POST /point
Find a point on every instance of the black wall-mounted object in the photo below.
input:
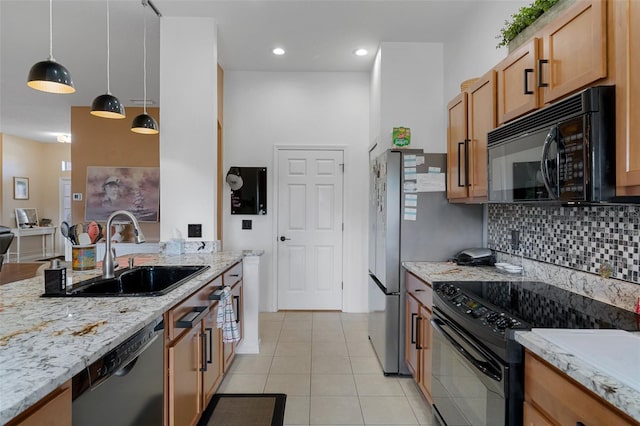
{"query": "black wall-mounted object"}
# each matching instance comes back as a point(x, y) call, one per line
point(248, 190)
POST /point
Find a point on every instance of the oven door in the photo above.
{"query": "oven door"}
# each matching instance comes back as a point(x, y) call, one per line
point(468, 382)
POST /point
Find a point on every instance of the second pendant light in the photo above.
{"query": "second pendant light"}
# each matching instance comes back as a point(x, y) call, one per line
point(107, 105)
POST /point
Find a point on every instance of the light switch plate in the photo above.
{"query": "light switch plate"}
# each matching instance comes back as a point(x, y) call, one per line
point(194, 230)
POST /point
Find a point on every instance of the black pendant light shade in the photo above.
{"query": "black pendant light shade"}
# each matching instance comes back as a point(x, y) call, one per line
point(50, 76)
point(144, 124)
point(107, 106)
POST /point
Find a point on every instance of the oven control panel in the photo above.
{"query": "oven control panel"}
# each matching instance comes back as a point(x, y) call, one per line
point(493, 320)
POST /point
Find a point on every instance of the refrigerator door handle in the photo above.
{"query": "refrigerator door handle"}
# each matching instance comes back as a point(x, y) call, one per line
point(380, 285)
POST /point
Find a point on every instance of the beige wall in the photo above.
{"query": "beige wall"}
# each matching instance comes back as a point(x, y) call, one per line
point(109, 143)
point(41, 163)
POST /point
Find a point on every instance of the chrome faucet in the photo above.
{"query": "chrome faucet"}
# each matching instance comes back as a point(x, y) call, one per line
point(109, 256)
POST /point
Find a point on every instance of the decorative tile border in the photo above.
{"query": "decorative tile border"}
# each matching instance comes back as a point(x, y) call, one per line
point(584, 238)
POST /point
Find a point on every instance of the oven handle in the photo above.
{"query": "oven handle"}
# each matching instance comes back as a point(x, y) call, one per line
point(544, 168)
point(483, 366)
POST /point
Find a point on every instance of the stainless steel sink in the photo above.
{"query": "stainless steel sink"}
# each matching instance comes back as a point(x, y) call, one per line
point(138, 281)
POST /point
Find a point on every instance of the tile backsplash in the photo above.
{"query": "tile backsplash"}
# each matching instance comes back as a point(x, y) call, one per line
point(587, 239)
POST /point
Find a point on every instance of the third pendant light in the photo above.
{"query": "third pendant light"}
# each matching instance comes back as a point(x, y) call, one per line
point(107, 105)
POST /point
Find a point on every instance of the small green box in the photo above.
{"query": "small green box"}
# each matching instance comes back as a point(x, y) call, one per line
point(401, 136)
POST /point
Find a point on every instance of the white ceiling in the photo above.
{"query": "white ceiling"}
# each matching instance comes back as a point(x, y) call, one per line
point(318, 35)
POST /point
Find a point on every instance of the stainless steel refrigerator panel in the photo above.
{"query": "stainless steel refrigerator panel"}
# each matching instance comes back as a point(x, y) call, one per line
point(383, 326)
point(441, 229)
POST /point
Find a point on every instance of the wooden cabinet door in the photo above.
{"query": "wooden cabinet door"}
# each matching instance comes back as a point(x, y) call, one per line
point(481, 119)
point(411, 336)
point(533, 417)
point(52, 410)
point(185, 360)
point(212, 376)
point(425, 351)
point(517, 82)
point(574, 50)
point(457, 146)
point(627, 37)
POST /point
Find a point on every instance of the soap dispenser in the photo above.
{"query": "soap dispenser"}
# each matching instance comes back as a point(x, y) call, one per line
point(55, 278)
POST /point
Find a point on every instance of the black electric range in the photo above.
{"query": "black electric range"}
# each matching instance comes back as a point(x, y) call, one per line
point(474, 324)
point(492, 310)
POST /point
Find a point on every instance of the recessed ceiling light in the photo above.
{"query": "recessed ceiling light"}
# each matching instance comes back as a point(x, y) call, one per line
point(278, 51)
point(360, 52)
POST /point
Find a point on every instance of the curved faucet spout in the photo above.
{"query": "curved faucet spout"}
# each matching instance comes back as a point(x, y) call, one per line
point(108, 262)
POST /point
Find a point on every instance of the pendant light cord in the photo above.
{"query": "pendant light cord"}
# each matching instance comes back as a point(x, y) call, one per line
point(51, 30)
point(108, 53)
point(144, 57)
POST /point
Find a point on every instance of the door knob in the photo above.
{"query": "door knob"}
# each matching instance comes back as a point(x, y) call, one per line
point(283, 238)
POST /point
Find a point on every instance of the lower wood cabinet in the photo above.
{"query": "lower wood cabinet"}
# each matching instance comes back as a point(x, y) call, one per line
point(194, 355)
point(418, 351)
point(552, 398)
point(52, 410)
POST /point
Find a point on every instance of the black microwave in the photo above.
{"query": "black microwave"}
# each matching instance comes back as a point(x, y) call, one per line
point(563, 153)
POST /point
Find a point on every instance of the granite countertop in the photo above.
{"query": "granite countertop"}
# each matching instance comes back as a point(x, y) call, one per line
point(447, 271)
point(607, 386)
point(46, 341)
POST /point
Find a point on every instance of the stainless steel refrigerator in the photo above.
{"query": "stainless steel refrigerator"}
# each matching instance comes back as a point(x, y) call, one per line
point(407, 224)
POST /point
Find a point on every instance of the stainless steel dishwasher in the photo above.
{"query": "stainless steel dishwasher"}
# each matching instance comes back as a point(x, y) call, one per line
point(125, 386)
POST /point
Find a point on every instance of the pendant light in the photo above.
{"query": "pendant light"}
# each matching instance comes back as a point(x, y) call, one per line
point(144, 123)
point(50, 76)
point(107, 105)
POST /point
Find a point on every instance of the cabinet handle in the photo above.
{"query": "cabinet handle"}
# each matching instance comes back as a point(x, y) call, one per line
point(413, 316)
point(210, 331)
point(215, 295)
point(540, 82)
point(203, 338)
point(526, 81)
point(234, 275)
point(459, 183)
point(418, 333)
point(466, 162)
point(418, 289)
point(190, 319)
point(237, 300)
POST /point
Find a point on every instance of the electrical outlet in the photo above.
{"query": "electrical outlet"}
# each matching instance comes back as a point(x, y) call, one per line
point(194, 230)
point(515, 240)
point(246, 223)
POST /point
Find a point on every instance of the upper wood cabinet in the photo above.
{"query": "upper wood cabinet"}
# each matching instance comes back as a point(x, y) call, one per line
point(568, 54)
point(456, 148)
point(517, 88)
point(482, 118)
point(627, 80)
point(574, 50)
point(472, 114)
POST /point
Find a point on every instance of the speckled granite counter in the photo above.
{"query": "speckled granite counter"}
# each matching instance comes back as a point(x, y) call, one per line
point(614, 292)
point(602, 384)
point(46, 341)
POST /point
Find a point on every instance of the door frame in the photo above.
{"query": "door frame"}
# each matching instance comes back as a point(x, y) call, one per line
point(274, 227)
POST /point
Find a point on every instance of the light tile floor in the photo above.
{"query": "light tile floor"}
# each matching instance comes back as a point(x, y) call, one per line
point(325, 364)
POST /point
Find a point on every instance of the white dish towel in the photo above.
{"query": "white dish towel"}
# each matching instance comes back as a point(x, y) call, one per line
point(226, 318)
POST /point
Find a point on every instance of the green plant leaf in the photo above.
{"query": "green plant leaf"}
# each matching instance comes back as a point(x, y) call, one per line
point(522, 19)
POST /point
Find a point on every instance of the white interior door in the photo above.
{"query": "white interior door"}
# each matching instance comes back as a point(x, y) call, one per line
point(310, 229)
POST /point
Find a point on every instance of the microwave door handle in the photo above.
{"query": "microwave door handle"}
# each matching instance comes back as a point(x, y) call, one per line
point(544, 168)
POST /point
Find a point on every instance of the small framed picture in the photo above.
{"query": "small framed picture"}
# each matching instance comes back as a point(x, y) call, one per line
point(20, 188)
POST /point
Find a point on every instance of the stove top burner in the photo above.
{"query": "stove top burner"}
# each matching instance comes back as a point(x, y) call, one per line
point(522, 305)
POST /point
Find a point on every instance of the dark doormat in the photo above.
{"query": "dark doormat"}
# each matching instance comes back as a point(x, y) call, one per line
point(244, 409)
